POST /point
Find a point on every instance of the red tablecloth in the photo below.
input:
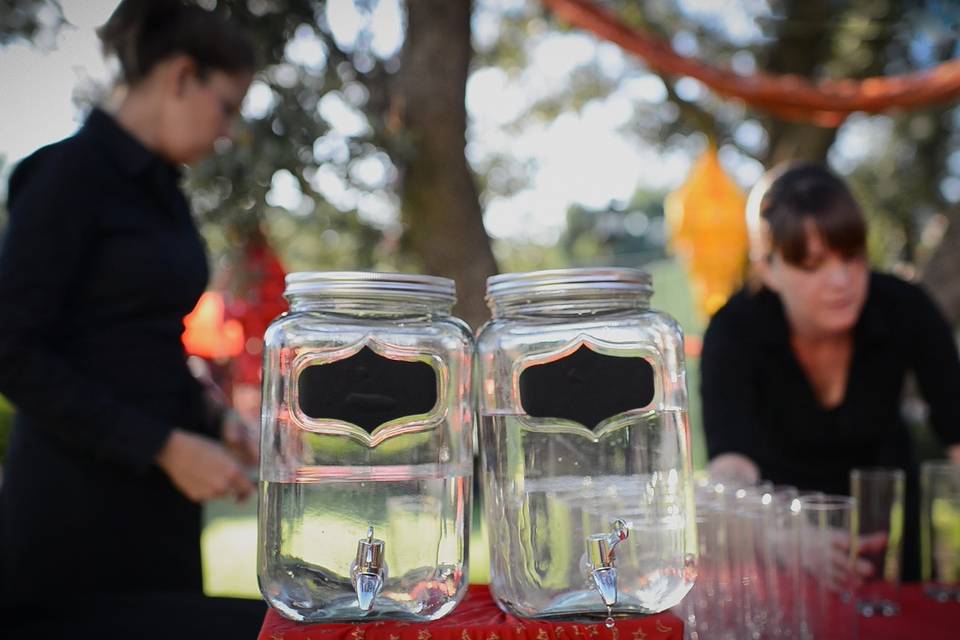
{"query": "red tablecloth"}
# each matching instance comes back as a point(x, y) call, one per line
point(920, 618)
point(476, 618)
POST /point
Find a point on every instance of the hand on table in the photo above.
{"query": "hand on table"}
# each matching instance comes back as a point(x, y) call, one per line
point(201, 468)
point(871, 545)
point(838, 567)
point(734, 467)
point(953, 453)
point(240, 438)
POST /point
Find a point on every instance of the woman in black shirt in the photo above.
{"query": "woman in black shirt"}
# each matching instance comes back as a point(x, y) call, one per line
point(113, 445)
point(803, 373)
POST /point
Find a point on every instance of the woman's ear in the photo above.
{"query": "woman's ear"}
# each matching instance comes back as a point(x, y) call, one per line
point(179, 72)
point(766, 272)
point(762, 256)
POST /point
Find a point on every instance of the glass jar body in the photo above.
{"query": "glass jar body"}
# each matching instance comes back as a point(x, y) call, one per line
point(560, 478)
point(347, 458)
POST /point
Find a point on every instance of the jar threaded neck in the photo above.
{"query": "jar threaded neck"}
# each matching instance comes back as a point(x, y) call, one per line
point(577, 291)
point(369, 292)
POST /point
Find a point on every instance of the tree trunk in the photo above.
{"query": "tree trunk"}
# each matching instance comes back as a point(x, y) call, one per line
point(793, 141)
point(800, 52)
point(941, 275)
point(441, 207)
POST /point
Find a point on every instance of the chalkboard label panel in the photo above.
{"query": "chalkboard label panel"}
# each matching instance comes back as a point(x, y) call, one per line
point(587, 387)
point(367, 389)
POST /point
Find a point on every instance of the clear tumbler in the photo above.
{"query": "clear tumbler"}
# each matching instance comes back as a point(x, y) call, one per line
point(879, 493)
point(940, 529)
point(828, 547)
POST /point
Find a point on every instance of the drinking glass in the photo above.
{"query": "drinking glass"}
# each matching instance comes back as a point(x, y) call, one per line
point(828, 550)
point(786, 544)
point(940, 529)
point(879, 494)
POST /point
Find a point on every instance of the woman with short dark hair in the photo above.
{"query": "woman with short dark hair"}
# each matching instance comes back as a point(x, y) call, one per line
point(803, 371)
point(113, 445)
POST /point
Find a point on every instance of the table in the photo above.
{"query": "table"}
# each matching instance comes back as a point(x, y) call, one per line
point(476, 618)
point(921, 618)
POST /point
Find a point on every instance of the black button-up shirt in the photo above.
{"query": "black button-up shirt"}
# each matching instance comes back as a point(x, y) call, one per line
point(99, 264)
point(758, 401)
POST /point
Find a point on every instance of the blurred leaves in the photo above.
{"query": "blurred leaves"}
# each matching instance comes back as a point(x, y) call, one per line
point(26, 19)
point(905, 182)
point(905, 167)
point(304, 71)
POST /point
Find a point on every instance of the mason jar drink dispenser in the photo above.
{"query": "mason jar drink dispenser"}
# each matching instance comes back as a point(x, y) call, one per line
point(366, 449)
point(585, 446)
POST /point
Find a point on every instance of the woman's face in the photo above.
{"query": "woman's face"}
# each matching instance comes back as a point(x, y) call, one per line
point(204, 112)
point(824, 295)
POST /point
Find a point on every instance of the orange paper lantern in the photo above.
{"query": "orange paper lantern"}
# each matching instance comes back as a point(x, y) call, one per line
point(708, 231)
point(207, 334)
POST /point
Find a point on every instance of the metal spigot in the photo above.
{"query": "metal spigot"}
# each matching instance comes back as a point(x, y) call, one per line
point(368, 570)
point(600, 556)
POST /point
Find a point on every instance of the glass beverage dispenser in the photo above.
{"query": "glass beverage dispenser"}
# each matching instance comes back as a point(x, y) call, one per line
point(366, 449)
point(587, 479)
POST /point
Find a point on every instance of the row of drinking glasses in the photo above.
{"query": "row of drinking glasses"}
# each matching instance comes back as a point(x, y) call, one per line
point(775, 563)
point(772, 564)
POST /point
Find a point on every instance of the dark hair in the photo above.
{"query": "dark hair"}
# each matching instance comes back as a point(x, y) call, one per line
point(811, 192)
point(142, 33)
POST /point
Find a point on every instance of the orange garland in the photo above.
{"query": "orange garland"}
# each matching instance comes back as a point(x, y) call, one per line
point(826, 103)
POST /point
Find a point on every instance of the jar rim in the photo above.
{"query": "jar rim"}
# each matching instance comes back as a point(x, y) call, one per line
point(553, 281)
point(351, 283)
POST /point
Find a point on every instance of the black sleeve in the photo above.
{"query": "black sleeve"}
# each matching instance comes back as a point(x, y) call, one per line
point(213, 401)
point(727, 387)
point(936, 363)
point(46, 239)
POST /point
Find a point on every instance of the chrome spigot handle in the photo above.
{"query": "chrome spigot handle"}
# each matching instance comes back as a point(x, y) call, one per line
point(369, 554)
point(368, 570)
point(600, 556)
point(601, 546)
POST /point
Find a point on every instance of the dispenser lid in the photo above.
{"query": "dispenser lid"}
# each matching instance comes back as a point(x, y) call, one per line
point(554, 282)
point(611, 278)
point(353, 283)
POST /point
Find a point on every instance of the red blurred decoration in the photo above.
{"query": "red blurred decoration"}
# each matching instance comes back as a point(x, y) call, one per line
point(208, 334)
point(826, 103)
point(226, 328)
point(255, 299)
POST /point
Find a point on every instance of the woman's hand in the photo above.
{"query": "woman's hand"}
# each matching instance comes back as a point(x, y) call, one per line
point(828, 555)
point(871, 548)
point(201, 468)
point(953, 452)
point(240, 438)
point(734, 466)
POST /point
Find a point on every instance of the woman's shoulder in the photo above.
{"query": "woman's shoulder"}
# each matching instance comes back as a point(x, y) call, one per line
point(749, 317)
point(745, 308)
point(898, 299)
point(749, 322)
point(52, 168)
point(891, 290)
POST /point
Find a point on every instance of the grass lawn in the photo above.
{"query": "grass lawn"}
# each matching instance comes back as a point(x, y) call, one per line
point(230, 550)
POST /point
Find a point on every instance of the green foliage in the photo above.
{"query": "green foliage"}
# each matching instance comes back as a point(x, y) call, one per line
point(902, 185)
point(290, 137)
point(25, 19)
point(517, 256)
point(901, 163)
point(628, 235)
point(6, 425)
